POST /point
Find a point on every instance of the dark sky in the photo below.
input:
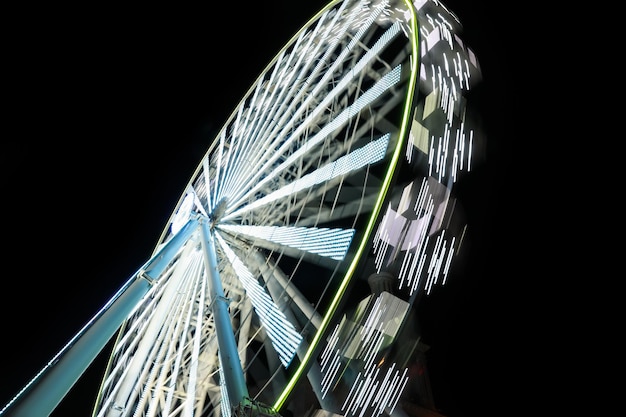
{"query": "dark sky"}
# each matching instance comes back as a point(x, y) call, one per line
point(109, 112)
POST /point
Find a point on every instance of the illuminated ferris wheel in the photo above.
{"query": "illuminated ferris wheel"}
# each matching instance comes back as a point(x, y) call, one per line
point(287, 276)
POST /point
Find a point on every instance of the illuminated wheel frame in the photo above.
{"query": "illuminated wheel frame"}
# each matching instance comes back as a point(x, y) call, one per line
point(337, 166)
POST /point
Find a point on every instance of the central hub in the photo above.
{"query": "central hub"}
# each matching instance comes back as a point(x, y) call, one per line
point(218, 210)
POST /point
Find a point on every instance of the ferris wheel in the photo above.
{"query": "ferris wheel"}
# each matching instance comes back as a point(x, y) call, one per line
point(287, 276)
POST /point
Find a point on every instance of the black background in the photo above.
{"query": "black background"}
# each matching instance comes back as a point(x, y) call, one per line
point(108, 110)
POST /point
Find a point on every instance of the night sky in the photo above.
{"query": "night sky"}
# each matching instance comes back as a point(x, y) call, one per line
point(110, 110)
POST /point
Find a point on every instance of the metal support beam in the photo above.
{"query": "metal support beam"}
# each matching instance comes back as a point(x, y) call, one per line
point(233, 374)
point(44, 392)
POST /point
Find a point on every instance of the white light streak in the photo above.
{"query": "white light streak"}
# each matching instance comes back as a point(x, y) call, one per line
point(331, 243)
point(355, 160)
point(332, 342)
point(282, 333)
point(225, 401)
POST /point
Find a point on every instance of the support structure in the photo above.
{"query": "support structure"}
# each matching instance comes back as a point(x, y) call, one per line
point(44, 393)
point(234, 380)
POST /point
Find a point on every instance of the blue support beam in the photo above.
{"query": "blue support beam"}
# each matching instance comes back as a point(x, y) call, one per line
point(231, 365)
point(44, 392)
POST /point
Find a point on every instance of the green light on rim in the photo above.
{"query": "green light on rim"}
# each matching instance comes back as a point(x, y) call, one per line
point(377, 207)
